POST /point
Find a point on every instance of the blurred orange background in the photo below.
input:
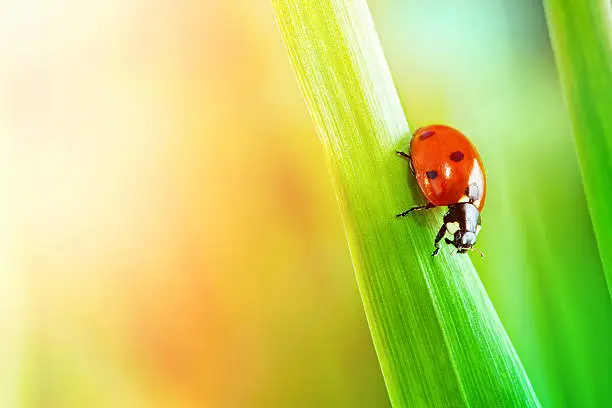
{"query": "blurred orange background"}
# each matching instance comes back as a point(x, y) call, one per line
point(170, 235)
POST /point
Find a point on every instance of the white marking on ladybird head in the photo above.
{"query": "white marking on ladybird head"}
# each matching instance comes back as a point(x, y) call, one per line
point(452, 227)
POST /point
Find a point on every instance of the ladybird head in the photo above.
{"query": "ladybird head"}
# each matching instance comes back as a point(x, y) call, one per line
point(464, 240)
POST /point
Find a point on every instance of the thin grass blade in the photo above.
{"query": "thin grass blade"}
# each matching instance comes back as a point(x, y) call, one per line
point(437, 336)
point(582, 41)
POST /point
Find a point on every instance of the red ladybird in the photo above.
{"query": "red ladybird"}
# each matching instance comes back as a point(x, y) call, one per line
point(450, 173)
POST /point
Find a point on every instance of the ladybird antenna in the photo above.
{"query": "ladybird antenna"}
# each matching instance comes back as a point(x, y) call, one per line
point(482, 255)
point(454, 251)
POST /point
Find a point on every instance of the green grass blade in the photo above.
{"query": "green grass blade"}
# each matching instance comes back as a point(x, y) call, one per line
point(582, 41)
point(437, 336)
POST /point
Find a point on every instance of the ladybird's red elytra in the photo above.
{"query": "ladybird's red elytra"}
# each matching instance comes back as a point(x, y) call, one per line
point(449, 172)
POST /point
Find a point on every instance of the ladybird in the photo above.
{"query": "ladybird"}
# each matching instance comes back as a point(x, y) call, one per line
point(449, 172)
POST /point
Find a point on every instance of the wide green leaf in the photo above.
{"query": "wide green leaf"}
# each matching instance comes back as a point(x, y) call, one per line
point(438, 338)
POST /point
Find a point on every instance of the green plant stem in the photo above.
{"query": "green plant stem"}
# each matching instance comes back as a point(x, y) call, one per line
point(581, 32)
point(437, 336)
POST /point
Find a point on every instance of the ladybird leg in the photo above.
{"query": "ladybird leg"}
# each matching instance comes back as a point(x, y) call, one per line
point(420, 207)
point(439, 237)
point(404, 155)
point(407, 157)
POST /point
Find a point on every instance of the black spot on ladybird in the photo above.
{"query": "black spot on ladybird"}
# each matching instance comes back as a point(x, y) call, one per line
point(432, 174)
point(427, 134)
point(457, 156)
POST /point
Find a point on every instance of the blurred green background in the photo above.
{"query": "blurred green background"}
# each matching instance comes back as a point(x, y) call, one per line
point(170, 233)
